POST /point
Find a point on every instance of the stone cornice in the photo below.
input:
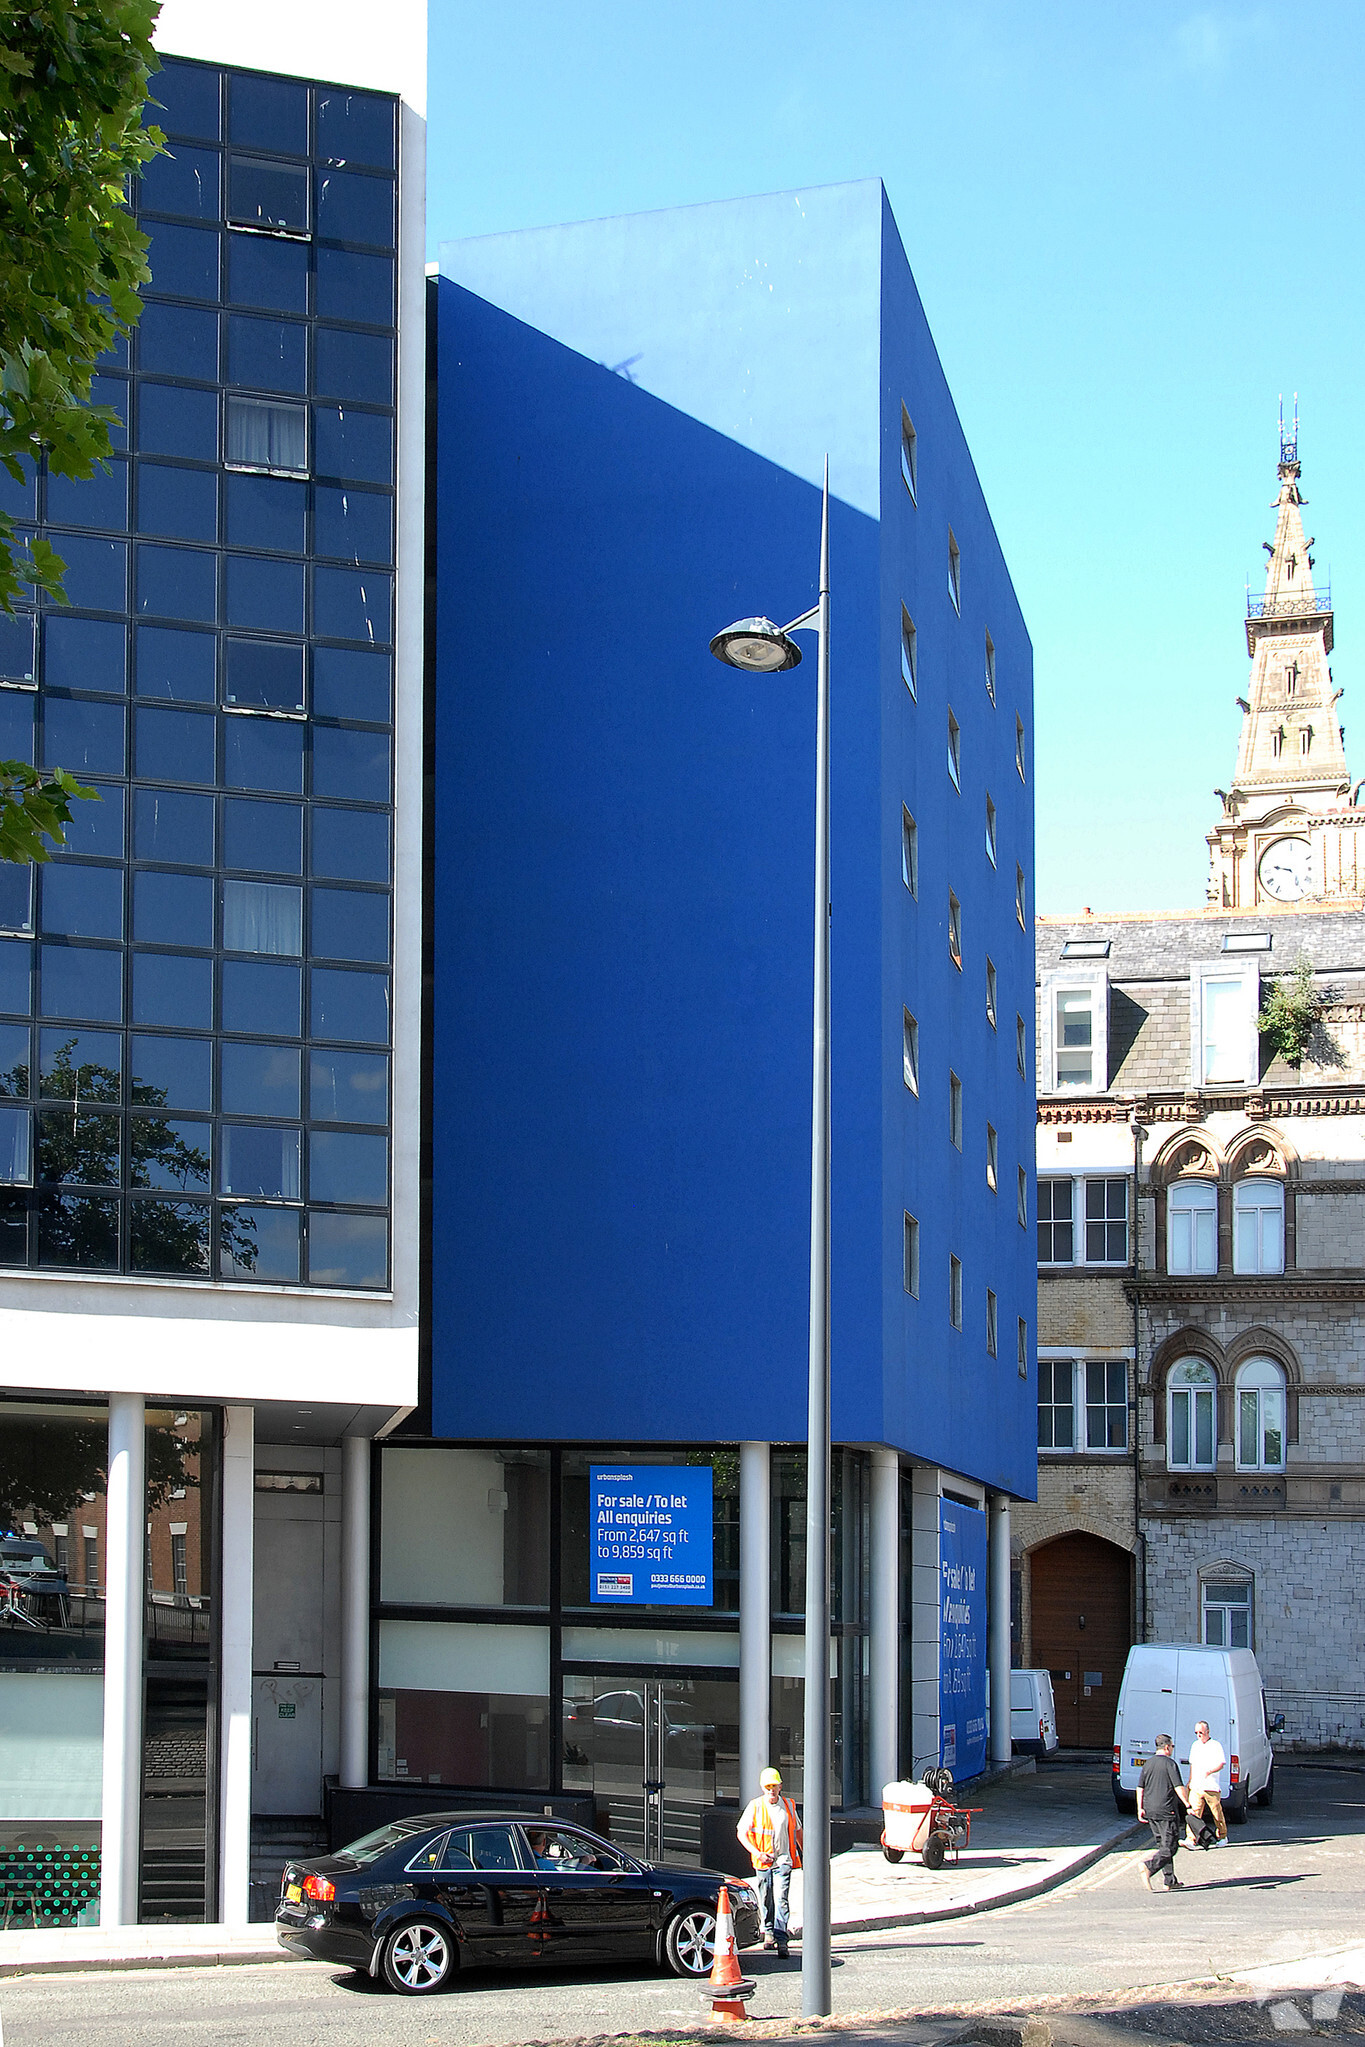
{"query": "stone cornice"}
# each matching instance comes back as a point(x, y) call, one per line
point(1192, 1105)
point(1238, 1288)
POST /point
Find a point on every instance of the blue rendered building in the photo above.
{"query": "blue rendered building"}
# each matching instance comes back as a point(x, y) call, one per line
point(631, 419)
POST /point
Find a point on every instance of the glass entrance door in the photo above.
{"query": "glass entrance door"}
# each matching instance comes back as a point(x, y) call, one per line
point(654, 1753)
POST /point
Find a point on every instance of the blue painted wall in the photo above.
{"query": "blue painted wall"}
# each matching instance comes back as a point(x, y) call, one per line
point(624, 845)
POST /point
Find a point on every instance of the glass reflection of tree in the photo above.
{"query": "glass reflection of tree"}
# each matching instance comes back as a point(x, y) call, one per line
point(47, 1468)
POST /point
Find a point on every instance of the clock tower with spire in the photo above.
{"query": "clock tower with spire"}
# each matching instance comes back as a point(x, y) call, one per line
point(1289, 832)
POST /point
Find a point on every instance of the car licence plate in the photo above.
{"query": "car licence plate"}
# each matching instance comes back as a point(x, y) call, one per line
point(294, 1894)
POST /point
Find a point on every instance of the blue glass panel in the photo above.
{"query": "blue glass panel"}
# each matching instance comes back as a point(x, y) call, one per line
point(351, 287)
point(99, 501)
point(82, 902)
point(181, 180)
point(259, 1161)
point(263, 753)
point(96, 576)
point(349, 926)
point(184, 260)
point(179, 665)
point(354, 525)
point(173, 909)
point(175, 582)
point(174, 1073)
point(352, 764)
point(83, 738)
point(345, 1167)
point(353, 604)
point(78, 982)
point(351, 845)
point(16, 969)
point(348, 1250)
point(267, 837)
point(349, 365)
point(267, 272)
point(261, 997)
point(81, 1150)
point(258, 1243)
point(267, 355)
point(172, 421)
point(16, 896)
point(20, 500)
point(268, 113)
point(184, 100)
point(263, 674)
point(80, 1065)
point(166, 1153)
point(348, 1087)
point(266, 511)
point(175, 746)
point(173, 1237)
point(17, 646)
point(178, 341)
point(349, 683)
point(177, 504)
point(265, 594)
point(13, 1230)
point(85, 653)
point(262, 916)
point(78, 1230)
point(168, 825)
point(267, 195)
point(112, 394)
point(352, 444)
point(96, 827)
point(353, 207)
point(259, 1080)
point(174, 990)
point(354, 127)
point(15, 1061)
point(16, 726)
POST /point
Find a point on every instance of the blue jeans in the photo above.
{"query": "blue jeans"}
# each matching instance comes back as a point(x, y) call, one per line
point(774, 1889)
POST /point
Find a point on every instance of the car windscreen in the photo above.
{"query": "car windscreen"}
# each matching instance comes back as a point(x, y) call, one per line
point(370, 1847)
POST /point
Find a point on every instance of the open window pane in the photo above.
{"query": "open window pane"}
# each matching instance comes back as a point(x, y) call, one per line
point(265, 436)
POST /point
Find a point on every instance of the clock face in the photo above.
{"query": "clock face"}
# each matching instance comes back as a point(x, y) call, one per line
point(1285, 870)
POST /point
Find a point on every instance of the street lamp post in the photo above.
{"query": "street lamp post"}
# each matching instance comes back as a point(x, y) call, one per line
point(757, 644)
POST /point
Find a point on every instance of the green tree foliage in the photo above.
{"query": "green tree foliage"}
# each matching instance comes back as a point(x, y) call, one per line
point(73, 84)
point(1291, 1012)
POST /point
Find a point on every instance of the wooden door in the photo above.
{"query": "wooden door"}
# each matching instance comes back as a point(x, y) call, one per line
point(1082, 1604)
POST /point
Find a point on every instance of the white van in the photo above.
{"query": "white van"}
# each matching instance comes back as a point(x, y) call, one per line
point(1167, 1689)
point(1033, 1713)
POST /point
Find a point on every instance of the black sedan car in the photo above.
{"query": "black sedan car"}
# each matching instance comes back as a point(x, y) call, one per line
point(422, 1898)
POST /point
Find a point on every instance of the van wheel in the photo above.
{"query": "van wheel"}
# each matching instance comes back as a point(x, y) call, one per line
point(1126, 1801)
point(892, 1854)
point(1266, 1794)
point(1236, 1815)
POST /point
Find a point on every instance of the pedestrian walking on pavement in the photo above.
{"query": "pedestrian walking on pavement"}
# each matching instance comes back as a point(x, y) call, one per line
point(771, 1832)
point(1207, 1827)
point(1160, 1800)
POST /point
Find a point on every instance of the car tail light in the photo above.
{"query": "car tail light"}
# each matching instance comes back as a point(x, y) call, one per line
point(1042, 1729)
point(1233, 1771)
point(1116, 1762)
point(319, 1888)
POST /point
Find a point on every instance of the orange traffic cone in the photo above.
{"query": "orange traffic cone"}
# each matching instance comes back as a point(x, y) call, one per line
point(728, 1986)
point(539, 1929)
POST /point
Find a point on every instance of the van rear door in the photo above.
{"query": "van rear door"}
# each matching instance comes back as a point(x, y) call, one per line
point(1205, 1693)
point(1147, 1707)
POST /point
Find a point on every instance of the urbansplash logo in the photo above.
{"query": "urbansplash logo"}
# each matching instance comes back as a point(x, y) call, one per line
point(615, 1584)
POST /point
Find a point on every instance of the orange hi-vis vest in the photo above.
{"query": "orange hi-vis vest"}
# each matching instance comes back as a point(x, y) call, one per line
point(757, 1833)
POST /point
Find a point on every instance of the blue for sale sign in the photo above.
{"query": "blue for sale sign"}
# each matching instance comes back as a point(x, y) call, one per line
point(651, 1534)
point(962, 1638)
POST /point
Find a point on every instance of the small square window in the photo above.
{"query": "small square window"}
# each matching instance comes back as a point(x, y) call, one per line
point(1106, 1222)
point(910, 1270)
point(1056, 1228)
point(992, 1324)
point(1019, 746)
point(1023, 1348)
point(1021, 1205)
point(954, 571)
point(954, 929)
point(1020, 1047)
point(955, 1110)
point(991, 830)
point(1020, 898)
point(909, 852)
point(269, 196)
point(1056, 1403)
point(1106, 1405)
point(955, 1290)
point(909, 457)
point(990, 993)
point(992, 1158)
point(268, 437)
point(954, 751)
point(990, 668)
point(911, 1053)
point(909, 654)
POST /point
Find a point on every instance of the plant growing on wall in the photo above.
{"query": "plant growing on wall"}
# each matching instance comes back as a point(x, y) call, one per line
point(1291, 1012)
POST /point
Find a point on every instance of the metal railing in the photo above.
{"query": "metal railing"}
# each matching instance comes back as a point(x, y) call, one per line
point(1307, 605)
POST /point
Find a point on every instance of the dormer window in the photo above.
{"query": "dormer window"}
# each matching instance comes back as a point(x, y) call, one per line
point(1076, 1017)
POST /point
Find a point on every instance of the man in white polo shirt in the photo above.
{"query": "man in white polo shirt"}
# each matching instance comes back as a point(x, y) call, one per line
point(1207, 1762)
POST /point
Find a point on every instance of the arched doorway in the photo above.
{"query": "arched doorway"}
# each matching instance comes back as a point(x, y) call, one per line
point(1081, 1606)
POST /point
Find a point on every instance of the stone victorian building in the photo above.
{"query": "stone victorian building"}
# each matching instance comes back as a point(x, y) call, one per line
point(1201, 1378)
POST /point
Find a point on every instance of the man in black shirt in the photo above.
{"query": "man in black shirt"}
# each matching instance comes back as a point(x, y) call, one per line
point(1160, 1801)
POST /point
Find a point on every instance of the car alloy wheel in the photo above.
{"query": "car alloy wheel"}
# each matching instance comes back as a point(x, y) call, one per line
point(418, 1958)
point(691, 1942)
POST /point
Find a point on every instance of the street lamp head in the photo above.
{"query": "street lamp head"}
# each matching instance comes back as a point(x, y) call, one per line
point(756, 644)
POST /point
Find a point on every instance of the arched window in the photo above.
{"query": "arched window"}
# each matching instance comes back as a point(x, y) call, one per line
point(1191, 1403)
point(1192, 1227)
point(1258, 1226)
point(1260, 1416)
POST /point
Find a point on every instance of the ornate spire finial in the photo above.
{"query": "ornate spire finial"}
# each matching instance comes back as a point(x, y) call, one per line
point(1289, 443)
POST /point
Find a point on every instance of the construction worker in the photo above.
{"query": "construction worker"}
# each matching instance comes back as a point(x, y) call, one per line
point(771, 1832)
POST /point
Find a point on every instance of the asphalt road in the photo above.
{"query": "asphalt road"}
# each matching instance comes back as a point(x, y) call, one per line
point(1291, 1883)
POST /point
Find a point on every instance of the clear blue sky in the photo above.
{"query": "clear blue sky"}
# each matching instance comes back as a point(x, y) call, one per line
point(1132, 226)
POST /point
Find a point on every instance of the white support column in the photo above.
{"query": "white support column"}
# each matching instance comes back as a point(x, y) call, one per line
point(998, 1623)
point(234, 1655)
point(926, 1609)
point(755, 1614)
point(125, 1535)
point(355, 1612)
point(885, 1716)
